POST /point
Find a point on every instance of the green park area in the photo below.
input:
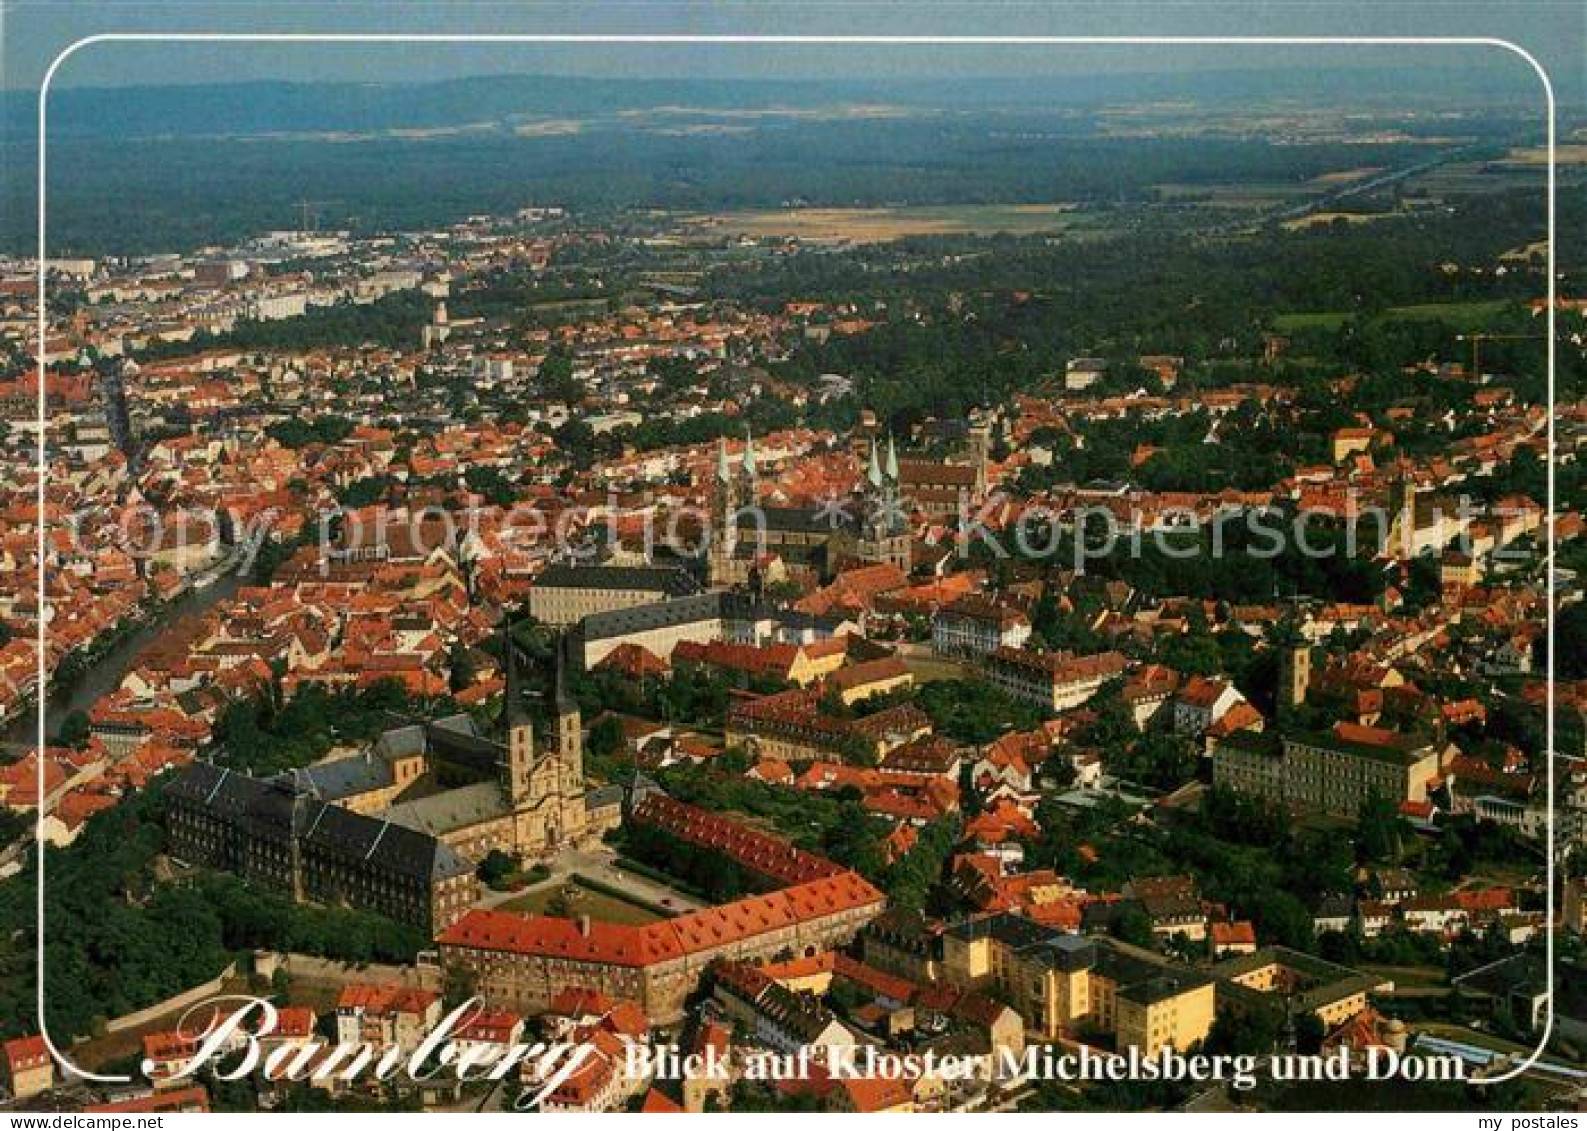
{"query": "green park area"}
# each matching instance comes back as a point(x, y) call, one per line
point(581, 896)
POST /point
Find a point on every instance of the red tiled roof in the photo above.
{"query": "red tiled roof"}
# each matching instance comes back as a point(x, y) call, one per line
point(772, 660)
point(613, 944)
point(633, 660)
point(575, 1001)
point(773, 770)
point(1372, 736)
point(168, 1046)
point(869, 671)
point(658, 1103)
point(292, 1022)
point(1200, 691)
point(495, 1027)
point(26, 1053)
point(627, 1019)
point(195, 1098)
point(1493, 899)
point(386, 999)
point(770, 856)
point(876, 1093)
point(619, 944)
point(1233, 934)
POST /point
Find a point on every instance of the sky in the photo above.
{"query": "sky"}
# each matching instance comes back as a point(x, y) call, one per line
point(35, 30)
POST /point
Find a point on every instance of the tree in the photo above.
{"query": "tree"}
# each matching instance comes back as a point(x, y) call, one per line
point(75, 730)
point(761, 1096)
point(496, 867)
point(910, 879)
point(1134, 926)
point(853, 841)
point(973, 711)
point(458, 984)
point(1309, 1033)
point(556, 377)
point(1047, 619)
point(1281, 917)
point(298, 433)
point(1252, 1032)
point(1570, 634)
point(1380, 831)
point(460, 668)
point(606, 737)
point(561, 903)
point(497, 489)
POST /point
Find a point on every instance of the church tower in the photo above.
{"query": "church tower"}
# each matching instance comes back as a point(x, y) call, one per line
point(884, 532)
point(981, 453)
point(731, 492)
point(569, 726)
point(748, 488)
point(1294, 666)
point(1401, 541)
point(724, 506)
point(439, 329)
point(518, 772)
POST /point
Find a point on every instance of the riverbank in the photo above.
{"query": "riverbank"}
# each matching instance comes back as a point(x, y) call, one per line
point(105, 672)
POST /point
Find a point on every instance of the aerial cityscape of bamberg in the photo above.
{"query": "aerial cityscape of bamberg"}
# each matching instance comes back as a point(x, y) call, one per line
point(832, 573)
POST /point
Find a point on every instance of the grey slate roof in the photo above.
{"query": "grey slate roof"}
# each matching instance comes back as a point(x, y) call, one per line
point(1140, 975)
point(456, 739)
point(401, 742)
point(441, 813)
point(799, 520)
point(1161, 987)
point(667, 581)
point(275, 808)
point(1064, 952)
point(645, 618)
point(460, 723)
point(346, 777)
point(1007, 928)
point(742, 608)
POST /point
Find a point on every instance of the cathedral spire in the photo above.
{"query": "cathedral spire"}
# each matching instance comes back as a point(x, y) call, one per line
point(513, 713)
point(892, 459)
point(873, 473)
point(562, 659)
point(722, 473)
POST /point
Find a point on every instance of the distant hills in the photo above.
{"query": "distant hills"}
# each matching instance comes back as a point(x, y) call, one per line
point(273, 108)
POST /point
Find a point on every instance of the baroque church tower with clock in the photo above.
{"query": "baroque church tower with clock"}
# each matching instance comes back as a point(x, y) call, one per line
point(544, 786)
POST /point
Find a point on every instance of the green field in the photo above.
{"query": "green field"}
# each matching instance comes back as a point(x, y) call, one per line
point(582, 899)
point(1462, 315)
point(880, 225)
point(1249, 195)
point(1315, 320)
point(927, 669)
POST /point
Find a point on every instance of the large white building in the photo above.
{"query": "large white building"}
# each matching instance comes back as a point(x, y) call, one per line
point(1056, 681)
point(974, 625)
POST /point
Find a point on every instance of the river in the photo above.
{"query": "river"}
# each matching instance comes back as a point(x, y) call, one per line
point(106, 675)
